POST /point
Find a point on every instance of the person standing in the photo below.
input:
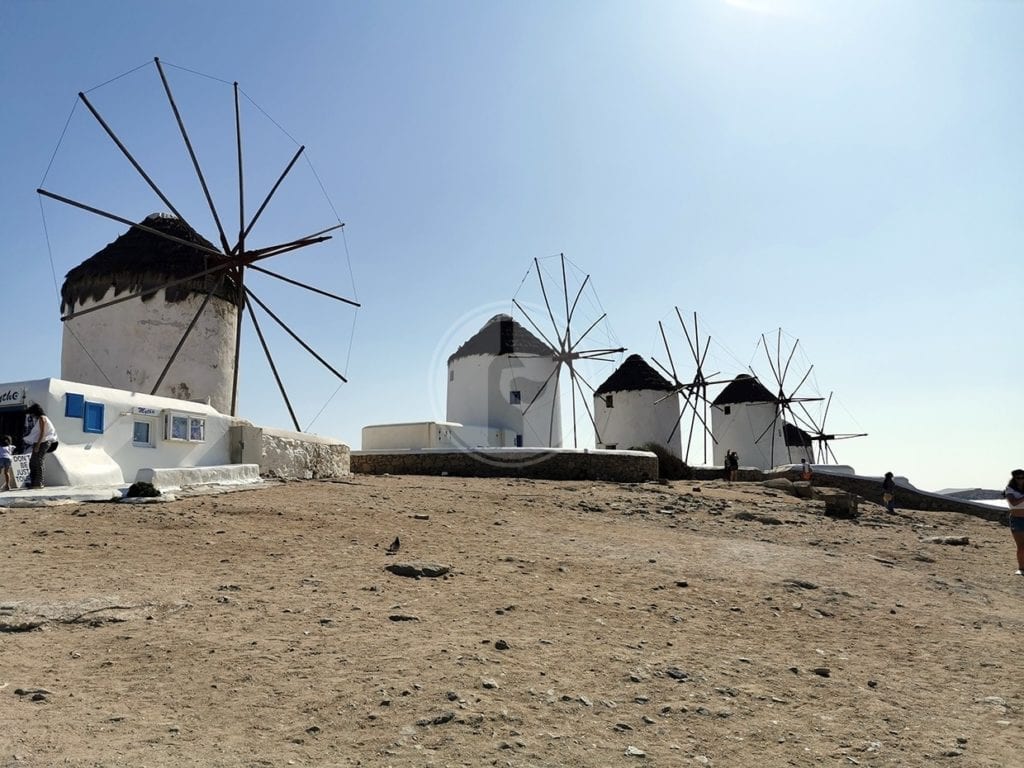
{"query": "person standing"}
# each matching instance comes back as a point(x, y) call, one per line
point(732, 465)
point(1014, 495)
point(38, 440)
point(889, 492)
point(6, 462)
point(805, 470)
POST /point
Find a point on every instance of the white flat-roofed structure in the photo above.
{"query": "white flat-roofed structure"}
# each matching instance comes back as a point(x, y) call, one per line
point(111, 437)
point(423, 435)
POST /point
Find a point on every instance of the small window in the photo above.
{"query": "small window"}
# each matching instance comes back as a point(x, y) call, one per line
point(515, 397)
point(142, 434)
point(727, 410)
point(519, 441)
point(451, 374)
point(92, 418)
point(608, 401)
point(74, 405)
point(180, 426)
point(611, 446)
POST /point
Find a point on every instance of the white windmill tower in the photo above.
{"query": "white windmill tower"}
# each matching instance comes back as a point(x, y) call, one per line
point(161, 309)
point(636, 405)
point(762, 427)
point(148, 331)
point(497, 379)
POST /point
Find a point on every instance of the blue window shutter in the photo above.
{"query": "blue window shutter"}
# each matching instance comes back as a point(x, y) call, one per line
point(74, 405)
point(93, 418)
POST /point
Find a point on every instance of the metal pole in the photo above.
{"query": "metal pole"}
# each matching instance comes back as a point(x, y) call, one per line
point(273, 368)
point(127, 154)
point(192, 154)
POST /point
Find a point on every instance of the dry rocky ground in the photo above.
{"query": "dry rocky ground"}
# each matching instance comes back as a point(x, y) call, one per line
point(580, 624)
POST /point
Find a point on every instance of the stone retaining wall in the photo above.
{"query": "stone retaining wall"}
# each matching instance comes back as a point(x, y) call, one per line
point(869, 489)
point(617, 466)
point(907, 497)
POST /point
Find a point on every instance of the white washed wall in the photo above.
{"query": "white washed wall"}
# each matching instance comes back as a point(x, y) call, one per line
point(479, 388)
point(636, 417)
point(120, 412)
point(132, 341)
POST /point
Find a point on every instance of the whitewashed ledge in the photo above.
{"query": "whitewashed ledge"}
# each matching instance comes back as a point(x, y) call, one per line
point(176, 478)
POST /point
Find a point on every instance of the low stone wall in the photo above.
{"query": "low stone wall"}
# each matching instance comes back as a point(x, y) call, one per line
point(173, 478)
point(296, 455)
point(868, 488)
point(907, 496)
point(617, 466)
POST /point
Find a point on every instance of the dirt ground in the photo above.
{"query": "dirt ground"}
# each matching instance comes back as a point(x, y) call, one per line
point(581, 624)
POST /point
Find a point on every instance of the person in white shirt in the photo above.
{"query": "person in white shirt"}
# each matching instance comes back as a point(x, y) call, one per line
point(38, 440)
point(1014, 495)
point(6, 461)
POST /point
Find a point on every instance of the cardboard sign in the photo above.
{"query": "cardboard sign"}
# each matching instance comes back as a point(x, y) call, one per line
point(19, 463)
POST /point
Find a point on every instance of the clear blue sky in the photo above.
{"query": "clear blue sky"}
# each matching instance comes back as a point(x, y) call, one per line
point(852, 172)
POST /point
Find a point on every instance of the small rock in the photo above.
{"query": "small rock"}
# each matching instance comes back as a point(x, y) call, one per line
point(501, 645)
point(420, 517)
point(954, 541)
point(403, 617)
point(416, 570)
point(452, 696)
point(677, 674)
point(489, 683)
point(632, 751)
point(800, 583)
point(822, 671)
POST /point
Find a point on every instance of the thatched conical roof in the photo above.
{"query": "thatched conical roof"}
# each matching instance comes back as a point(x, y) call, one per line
point(501, 335)
point(137, 260)
point(634, 375)
point(744, 389)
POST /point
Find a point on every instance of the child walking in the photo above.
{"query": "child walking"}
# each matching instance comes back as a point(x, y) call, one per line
point(6, 461)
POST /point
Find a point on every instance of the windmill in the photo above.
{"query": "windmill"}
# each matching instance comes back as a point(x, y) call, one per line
point(823, 438)
point(570, 349)
point(223, 270)
point(784, 400)
point(696, 390)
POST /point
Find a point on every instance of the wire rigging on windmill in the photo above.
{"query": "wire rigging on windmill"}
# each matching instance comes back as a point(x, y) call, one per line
point(206, 288)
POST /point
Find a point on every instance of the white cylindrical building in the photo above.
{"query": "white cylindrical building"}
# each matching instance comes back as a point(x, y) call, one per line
point(127, 345)
point(503, 378)
point(741, 421)
point(628, 412)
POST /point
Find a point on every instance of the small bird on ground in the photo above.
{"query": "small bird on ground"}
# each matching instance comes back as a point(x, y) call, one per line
point(393, 547)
